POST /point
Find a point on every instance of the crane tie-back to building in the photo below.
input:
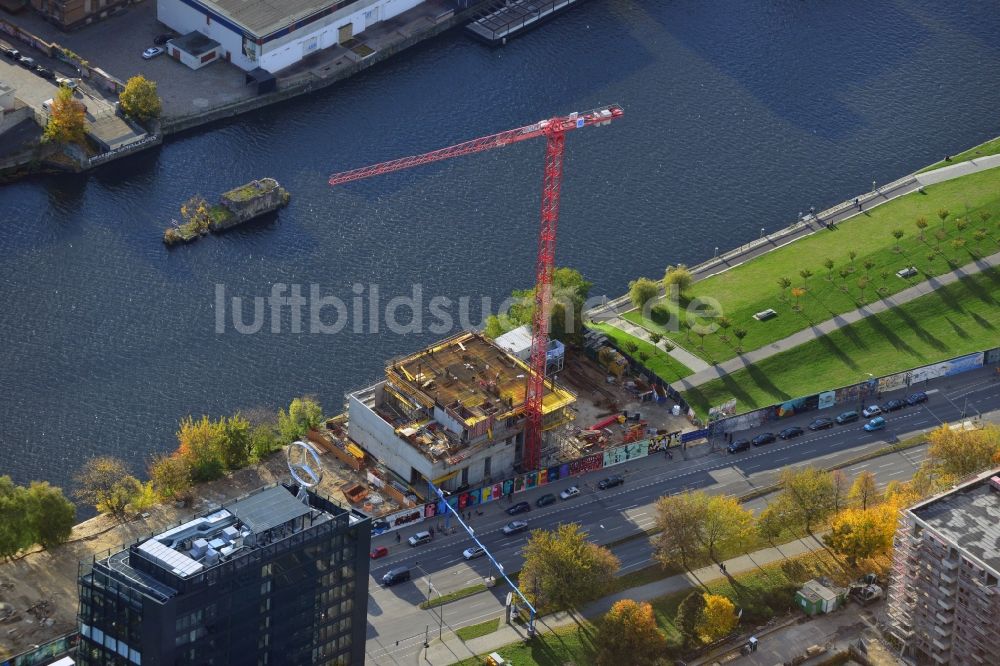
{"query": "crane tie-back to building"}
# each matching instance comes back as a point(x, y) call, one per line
point(554, 130)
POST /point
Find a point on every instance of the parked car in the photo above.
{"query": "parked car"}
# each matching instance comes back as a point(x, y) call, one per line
point(545, 500)
point(847, 417)
point(515, 526)
point(45, 73)
point(69, 83)
point(893, 405)
point(877, 423)
point(25, 61)
point(160, 40)
point(870, 411)
point(610, 482)
point(473, 552)
point(789, 433)
point(10, 52)
point(378, 551)
point(520, 507)
point(419, 538)
point(738, 445)
point(572, 491)
point(763, 438)
point(916, 398)
point(396, 575)
point(152, 52)
point(821, 423)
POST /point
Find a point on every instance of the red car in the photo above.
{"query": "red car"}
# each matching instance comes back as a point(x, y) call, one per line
point(376, 553)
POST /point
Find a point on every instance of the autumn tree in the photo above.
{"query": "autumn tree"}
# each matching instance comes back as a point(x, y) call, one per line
point(718, 618)
point(105, 483)
point(726, 526)
point(961, 452)
point(196, 213)
point(642, 292)
point(66, 119)
point(200, 444)
point(171, 477)
point(50, 515)
point(864, 491)
point(695, 526)
point(858, 534)
point(811, 493)
point(627, 634)
point(303, 415)
point(563, 570)
point(689, 615)
point(677, 277)
point(15, 531)
point(139, 98)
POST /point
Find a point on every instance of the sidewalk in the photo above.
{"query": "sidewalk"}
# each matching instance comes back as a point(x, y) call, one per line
point(453, 649)
point(830, 325)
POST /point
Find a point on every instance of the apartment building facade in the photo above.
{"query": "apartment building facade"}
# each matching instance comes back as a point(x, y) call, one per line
point(943, 601)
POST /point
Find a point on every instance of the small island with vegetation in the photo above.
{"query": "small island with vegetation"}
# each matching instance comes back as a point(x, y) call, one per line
point(236, 206)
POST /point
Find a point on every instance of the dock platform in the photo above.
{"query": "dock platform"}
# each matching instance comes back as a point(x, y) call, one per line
point(513, 17)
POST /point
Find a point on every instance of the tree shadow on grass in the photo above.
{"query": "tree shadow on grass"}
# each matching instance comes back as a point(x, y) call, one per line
point(978, 290)
point(761, 379)
point(834, 350)
point(892, 338)
point(958, 330)
point(983, 322)
point(919, 330)
point(849, 332)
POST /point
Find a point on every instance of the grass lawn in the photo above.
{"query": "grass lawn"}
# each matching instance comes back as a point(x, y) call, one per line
point(477, 630)
point(991, 147)
point(960, 318)
point(665, 366)
point(752, 287)
point(568, 645)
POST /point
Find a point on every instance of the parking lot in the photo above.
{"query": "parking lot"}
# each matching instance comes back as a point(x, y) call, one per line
point(115, 45)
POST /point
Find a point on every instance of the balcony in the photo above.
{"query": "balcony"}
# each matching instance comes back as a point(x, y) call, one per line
point(943, 618)
point(946, 604)
point(947, 578)
point(943, 646)
point(946, 591)
point(944, 631)
point(940, 658)
point(950, 564)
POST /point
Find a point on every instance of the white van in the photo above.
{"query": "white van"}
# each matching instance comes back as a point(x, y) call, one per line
point(47, 105)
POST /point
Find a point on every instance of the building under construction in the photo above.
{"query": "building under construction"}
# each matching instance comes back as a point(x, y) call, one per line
point(452, 413)
point(943, 598)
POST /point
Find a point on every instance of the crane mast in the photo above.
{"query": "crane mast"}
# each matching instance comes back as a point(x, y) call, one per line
point(554, 130)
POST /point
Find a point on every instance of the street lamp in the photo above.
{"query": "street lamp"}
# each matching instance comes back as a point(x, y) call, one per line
point(431, 588)
point(761, 233)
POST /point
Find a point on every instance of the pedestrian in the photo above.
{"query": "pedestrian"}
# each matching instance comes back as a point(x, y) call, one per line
point(398, 538)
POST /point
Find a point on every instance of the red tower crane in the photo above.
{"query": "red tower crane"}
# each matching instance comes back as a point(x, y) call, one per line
point(554, 130)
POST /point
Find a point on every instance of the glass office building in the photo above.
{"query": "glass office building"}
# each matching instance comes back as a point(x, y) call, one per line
point(277, 577)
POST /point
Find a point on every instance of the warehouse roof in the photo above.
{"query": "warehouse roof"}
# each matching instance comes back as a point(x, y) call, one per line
point(262, 17)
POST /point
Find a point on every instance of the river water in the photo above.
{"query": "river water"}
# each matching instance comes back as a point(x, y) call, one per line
point(738, 116)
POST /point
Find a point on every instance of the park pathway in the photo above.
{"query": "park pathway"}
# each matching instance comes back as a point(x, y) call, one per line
point(610, 312)
point(830, 325)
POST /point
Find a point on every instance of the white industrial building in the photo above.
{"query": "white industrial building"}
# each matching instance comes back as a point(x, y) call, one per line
point(273, 35)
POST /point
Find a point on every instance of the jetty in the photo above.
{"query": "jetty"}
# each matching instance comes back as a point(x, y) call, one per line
point(238, 205)
point(512, 17)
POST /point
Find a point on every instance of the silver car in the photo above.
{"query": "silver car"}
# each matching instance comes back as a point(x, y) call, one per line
point(515, 526)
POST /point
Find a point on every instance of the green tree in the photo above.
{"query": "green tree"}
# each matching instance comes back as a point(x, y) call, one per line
point(852, 255)
point(726, 527)
point(961, 224)
point(642, 292)
point(679, 519)
point(201, 445)
point(863, 283)
point(805, 274)
point(627, 634)
point(771, 523)
point(677, 277)
point(237, 445)
point(897, 234)
point(171, 478)
point(50, 514)
point(724, 323)
point(66, 123)
point(140, 99)
point(655, 338)
point(784, 283)
point(718, 618)
point(739, 334)
point(569, 288)
point(303, 415)
point(631, 347)
point(143, 498)
point(105, 484)
point(263, 441)
point(689, 615)
point(922, 226)
point(16, 533)
point(864, 491)
point(563, 570)
point(869, 265)
point(943, 214)
point(828, 264)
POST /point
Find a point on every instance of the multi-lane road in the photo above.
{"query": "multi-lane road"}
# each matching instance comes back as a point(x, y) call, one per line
point(397, 625)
